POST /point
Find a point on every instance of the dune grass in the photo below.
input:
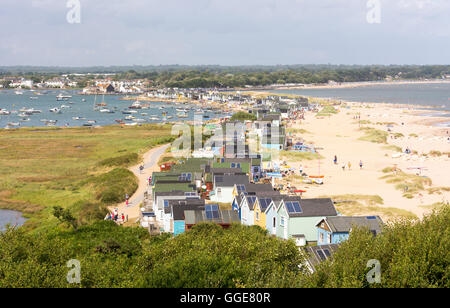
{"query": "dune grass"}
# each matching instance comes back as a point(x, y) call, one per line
point(361, 205)
point(437, 190)
point(327, 111)
point(374, 135)
point(393, 148)
point(292, 156)
point(82, 169)
point(297, 131)
point(410, 184)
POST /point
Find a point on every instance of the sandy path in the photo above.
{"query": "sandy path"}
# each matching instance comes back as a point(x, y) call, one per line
point(150, 160)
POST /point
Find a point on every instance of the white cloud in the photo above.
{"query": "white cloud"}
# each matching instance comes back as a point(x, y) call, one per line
point(224, 32)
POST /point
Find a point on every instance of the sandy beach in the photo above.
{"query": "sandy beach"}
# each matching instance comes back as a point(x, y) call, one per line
point(361, 84)
point(339, 134)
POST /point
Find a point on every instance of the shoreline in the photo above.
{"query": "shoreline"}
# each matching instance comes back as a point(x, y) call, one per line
point(357, 84)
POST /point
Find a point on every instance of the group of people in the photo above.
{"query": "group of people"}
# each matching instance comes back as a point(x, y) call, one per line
point(114, 216)
point(347, 165)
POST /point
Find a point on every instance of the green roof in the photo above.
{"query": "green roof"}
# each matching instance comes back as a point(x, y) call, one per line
point(191, 165)
point(245, 167)
point(186, 187)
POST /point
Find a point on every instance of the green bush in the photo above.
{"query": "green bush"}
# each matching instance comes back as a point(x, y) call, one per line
point(119, 161)
point(243, 116)
point(412, 255)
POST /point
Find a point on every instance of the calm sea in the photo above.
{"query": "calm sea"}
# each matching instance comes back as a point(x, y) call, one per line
point(436, 95)
point(85, 110)
point(10, 217)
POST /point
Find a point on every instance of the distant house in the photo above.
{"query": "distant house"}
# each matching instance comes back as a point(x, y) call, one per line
point(298, 218)
point(161, 199)
point(106, 88)
point(262, 204)
point(241, 190)
point(212, 213)
point(223, 187)
point(334, 230)
point(175, 221)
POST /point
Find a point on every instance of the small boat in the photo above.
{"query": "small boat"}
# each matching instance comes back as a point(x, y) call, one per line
point(50, 121)
point(118, 121)
point(4, 112)
point(126, 112)
point(33, 97)
point(83, 100)
point(25, 119)
point(87, 124)
point(65, 107)
point(56, 110)
point(78, 118)
point(135, 105)
point(101, 104)
point(30, 111)
point(91, 122)
point(61, 97)
point(13, 124)
point(18, 92)
point(104, 110)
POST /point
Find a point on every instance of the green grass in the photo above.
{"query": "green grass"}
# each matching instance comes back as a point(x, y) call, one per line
point(414, 135)
point(75, 168)
point(393, 148)
point(292, 156)
point(374, 135)
point(410, 184)
point(327, 111)
point(438, 190)
point(294, 131)
point(358, 205)
point(435, 153)
point(398, 135)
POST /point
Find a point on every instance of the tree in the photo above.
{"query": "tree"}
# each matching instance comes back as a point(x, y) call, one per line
point(64, 215)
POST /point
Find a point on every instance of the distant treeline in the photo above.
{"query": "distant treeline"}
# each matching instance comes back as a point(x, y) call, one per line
point(239, 76)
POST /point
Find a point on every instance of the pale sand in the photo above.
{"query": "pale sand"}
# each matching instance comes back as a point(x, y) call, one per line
point(362, 84)
point(338, 135)
point(150, 161)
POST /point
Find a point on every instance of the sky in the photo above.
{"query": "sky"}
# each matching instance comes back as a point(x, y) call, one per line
point(224, 32)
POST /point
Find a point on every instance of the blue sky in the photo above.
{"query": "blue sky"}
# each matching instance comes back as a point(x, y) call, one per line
point(226, 32)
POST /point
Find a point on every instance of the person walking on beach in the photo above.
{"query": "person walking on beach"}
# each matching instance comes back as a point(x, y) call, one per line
point(360, 164)
point(349, 166)
point(126, 202)
point(343, 167)
point(335, 159)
